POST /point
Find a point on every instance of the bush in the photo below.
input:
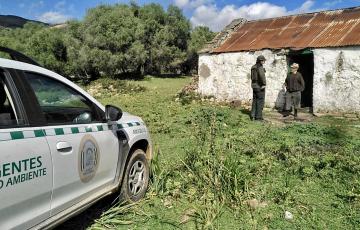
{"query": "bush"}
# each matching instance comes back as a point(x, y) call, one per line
point(107, 87)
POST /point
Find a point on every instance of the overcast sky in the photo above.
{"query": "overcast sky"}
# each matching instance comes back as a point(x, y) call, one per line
point(213, 13)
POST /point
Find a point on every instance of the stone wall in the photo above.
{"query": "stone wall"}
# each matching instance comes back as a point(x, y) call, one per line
point(226, 76)
point(337, 80)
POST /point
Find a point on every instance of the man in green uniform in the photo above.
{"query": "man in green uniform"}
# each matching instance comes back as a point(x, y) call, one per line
point(258, 84)
point(294, 84)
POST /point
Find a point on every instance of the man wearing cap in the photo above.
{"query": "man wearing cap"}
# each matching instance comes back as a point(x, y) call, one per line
point(258, 84)
point(294, 84)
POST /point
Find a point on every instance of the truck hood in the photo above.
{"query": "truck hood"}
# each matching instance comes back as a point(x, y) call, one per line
point(127, 117)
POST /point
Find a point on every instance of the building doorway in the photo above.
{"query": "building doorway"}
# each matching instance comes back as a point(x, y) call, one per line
point(305, 59)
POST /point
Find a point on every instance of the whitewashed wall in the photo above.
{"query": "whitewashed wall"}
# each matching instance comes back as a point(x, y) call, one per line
point(336, 77)
point(337, 80)
point(227, 76)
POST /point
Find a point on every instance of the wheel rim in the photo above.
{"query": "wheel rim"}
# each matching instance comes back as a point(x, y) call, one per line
point(136, 180)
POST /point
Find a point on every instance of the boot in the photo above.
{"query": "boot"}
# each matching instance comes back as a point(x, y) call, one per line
point(286, 113)
point(295, 113)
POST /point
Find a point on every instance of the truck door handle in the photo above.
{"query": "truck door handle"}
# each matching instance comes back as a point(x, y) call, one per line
point(63, 147)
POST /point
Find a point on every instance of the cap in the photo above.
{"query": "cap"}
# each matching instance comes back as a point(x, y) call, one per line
point(261, 58)
point(294, 66)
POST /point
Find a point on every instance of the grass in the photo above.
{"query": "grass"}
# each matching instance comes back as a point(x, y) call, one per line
point(214, 169)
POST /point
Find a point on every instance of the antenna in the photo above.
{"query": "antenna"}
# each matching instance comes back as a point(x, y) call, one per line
point(17, 56)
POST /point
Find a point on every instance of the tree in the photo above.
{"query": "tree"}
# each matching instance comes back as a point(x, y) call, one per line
point(199, 37)
point(48, 48)
point(165, 40)
point(43, 44)
point(112, 41)
point(153, 18)
point(106, 41)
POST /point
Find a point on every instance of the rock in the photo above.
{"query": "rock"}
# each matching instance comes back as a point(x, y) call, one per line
point(167, 202)
point(263, 204)
point(254, 204)
point(288, 215)
point(187, 215)
point(350, 115)
point(236, 103)
point(191, 87)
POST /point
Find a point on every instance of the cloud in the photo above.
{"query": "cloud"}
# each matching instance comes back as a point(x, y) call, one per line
point(332, 3)
point(35, 7)
point(181, 3)
point(53, 17)
point(60, 5)
point(217, 18)
point(60, 13)
point(305, 7)
point(188, 4)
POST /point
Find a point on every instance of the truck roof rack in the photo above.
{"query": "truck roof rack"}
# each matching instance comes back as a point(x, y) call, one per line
point(17, 56)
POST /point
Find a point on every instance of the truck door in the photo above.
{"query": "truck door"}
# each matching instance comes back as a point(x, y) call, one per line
point(25, 160)
point(84, 148)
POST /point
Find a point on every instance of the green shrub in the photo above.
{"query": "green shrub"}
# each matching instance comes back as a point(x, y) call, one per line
point(107, 87)
point(228, 166)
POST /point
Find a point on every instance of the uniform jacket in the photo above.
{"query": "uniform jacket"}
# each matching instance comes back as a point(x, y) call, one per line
point(258, 76)
point(295, 82)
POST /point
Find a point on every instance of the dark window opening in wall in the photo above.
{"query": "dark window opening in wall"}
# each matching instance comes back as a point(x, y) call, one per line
point(305, 59)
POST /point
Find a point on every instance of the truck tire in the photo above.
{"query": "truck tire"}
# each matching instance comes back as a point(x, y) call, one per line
point(136, 178)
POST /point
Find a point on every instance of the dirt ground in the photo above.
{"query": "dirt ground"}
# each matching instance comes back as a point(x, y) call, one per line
point(277, 118)
point(88, 217)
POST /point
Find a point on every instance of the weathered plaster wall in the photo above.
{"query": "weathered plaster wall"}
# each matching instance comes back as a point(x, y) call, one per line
point(227, 76)
point(336, 77)
point(337, 80)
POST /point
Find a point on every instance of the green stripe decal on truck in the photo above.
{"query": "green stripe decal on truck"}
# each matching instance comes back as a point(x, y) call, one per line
point(74, 130)
point(17, 135)
point(39, 133)
point(26, 134)
point(59, 131)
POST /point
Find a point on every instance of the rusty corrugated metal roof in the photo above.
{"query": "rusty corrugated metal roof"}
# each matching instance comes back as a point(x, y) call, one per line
point(321, 29)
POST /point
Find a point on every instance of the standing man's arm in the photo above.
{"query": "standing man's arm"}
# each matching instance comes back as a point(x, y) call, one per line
point(262, 79)
point(302, 82)
point(286, 83)
point(253, 74)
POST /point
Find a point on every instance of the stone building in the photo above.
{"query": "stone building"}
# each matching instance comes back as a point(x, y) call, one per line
point(325, 44)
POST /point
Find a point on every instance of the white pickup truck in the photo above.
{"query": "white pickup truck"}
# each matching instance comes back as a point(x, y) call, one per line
point(60, 149)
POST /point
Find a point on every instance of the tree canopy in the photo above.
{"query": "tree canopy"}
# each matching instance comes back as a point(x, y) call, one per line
point(113, 41)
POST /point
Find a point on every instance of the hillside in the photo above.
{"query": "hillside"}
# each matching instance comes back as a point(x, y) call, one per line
point(11, 21)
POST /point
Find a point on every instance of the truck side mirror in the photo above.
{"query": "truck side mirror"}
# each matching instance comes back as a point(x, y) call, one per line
point(112, 113)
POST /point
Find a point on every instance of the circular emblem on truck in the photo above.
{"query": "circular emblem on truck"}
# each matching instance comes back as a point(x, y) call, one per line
point(89, 157)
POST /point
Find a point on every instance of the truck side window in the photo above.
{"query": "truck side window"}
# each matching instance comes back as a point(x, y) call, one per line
point(60, 103)
point(8, 117)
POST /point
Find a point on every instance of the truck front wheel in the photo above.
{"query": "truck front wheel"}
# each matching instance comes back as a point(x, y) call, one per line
point(136, 179)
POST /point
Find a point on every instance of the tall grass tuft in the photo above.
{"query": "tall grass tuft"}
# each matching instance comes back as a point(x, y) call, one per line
point(228, 168)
